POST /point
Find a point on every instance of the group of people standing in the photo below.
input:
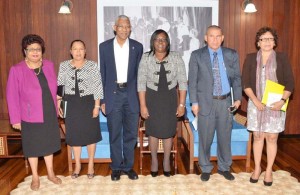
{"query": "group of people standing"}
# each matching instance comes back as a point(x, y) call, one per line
point(152, 84)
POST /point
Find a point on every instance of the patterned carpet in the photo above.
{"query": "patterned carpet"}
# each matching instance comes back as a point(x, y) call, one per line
point(190, 184)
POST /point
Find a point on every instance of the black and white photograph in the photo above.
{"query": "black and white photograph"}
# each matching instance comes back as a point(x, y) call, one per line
point(184, 21)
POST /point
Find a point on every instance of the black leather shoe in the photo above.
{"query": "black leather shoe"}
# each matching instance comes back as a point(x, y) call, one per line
point(167, 173)
point(131, 174)
point(154, 174)
point(226, 174)
point(115, 175)
point(253, 180)
point(205, 176)
point(268, 183)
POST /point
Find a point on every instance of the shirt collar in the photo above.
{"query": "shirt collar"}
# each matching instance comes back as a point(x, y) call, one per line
point(211, 52)
point(126, 44)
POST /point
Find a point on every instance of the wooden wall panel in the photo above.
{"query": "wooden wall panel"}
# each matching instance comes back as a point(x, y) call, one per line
point(20, 17)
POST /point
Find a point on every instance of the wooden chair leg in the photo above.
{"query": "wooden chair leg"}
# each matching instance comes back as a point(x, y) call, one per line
point(141, 139)
point(248, 158)
point(26, 165)
point(175, 153)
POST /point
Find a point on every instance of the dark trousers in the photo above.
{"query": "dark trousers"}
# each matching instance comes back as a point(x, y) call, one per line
point(219, 121)
point(123, 127)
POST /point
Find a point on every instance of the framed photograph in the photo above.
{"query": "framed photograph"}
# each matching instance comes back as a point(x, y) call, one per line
point(184, 20)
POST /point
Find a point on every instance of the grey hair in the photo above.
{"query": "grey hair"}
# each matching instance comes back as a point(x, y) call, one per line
point(214, 27)
point(123, 17)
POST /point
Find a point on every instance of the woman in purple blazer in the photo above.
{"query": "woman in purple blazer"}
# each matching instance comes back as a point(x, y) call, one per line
point(31, 98)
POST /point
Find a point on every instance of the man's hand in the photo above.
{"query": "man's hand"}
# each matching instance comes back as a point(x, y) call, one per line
point(195, 109)
point(103, 108)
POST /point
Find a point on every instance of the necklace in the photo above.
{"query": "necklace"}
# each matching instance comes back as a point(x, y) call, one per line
point(36, 70)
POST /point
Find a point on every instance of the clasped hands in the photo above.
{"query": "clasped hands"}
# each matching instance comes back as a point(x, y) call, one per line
point(145, 114)
point(276, 106)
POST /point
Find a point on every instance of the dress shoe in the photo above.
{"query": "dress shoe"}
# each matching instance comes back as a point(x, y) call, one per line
point(205, 176)
point(55, 180)
point(226, 174)
point(167, 173)
point(90, 175)
point(154, 173)
point(35, 185)
point(268, 183)
point(253, 180)
point(131, 174)
point(115, 175)
point(74, 175)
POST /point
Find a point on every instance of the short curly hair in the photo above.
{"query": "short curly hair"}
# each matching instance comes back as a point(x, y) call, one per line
point(262, 31)
point(30, 39)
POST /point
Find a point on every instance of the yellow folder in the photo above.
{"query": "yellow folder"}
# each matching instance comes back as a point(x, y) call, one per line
point(273, 93)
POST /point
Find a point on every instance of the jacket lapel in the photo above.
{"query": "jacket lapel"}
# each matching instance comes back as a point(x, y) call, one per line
point(110, 51)
point(206, 59)
point(131, 57)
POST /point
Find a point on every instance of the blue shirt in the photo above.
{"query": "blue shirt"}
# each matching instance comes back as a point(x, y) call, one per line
point(222, 68)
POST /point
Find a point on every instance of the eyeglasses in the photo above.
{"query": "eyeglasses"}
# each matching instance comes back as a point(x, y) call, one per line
point(30, 50)
point(78, 49)
point(160, 40)
point(266, 39)
point(123, 27)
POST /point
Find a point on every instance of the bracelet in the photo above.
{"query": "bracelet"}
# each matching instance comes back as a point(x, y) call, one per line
point(284, 100)
point(96, 106)
point(181, 105)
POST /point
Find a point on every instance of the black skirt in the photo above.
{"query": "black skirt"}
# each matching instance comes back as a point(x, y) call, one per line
point(162, 107)
point(81, 128)
point(42, 139)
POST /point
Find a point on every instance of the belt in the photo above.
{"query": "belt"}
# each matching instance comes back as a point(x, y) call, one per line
point(221, 97)
point(121, 85)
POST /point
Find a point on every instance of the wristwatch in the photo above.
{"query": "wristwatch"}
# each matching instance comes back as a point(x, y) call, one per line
point(284, 100)
point(181, 105)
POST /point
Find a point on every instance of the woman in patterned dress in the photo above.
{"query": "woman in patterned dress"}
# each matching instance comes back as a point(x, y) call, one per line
point(83, 91)
point(266, 122)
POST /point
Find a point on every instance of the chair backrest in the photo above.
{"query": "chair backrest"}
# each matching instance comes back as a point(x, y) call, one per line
point(241, 117)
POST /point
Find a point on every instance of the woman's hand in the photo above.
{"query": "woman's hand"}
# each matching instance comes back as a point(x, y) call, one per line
point(144, 112)
point(180, 110)
point(60, 111)
point(260, 106)
point(277, 105)
point(17, 126)
point(95, 112)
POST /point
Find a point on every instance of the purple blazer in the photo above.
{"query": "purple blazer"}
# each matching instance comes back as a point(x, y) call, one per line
point(24, 93)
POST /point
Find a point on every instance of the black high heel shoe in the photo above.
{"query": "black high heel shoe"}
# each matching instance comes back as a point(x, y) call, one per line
point(253, 180)
point(167, 173)
point(154, 173)
point(268, 183)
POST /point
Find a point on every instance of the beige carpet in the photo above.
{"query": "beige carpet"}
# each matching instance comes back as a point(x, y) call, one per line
point(284, 183)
